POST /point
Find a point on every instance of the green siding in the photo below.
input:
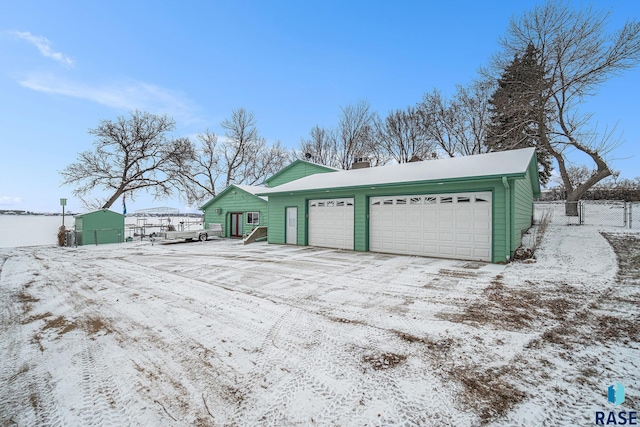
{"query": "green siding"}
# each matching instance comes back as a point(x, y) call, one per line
point(523, 208)
point(235, 200)
point(296, 170)
point(104, 225)
point(278, 203)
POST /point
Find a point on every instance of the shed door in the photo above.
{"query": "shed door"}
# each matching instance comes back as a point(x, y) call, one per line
point(331, 223)
point(456, 225)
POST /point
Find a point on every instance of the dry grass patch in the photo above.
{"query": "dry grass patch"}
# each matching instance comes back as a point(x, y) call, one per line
point(384, 361)
point(25, 298)
point(36, 317)
point(488, 391)
point(627, 249)
point(95, 325)
point(61, 323)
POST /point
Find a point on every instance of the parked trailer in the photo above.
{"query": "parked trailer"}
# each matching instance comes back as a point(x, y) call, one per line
point(202, 235)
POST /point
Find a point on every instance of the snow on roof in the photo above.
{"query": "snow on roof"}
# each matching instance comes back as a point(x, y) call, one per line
point(252, 189)
point(501, 163)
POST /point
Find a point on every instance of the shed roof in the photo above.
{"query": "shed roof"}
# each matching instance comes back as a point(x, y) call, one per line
point(513, 163)
point(96, 211)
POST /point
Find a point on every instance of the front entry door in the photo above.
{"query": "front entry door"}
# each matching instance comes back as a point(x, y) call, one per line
point(292, 226)
point(236, 224)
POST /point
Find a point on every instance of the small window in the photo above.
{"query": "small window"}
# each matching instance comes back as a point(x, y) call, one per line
point(402, 201)
point(446, 200)
point(415, 200)
point(313, 204)
point(331, 203)
point(375, 202)
point(463, 199)
point(481, 200)
point(349, 203)
point(340, 203)
point(320, 204)
point(387, 202)
point(253, 218)
point(429, 200)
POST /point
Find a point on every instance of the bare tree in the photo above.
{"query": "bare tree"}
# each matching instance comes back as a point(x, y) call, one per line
point(458, 125)
point(241, 141)
point(320, 145)
point(131, 154)
point(243, 157)
point(578, 55)
point(401, 135)
point(440, 122)
point(354, 133)
point(262, 161)
point(198, 169)
point(472, 109)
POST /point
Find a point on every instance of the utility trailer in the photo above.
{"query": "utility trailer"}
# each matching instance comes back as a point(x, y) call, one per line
point(202, 235)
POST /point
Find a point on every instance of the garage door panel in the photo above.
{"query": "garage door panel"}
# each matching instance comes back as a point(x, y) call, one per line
point(446, 225)
point(454, 225)
point(463, 252)
point(331, 223)
point(464, 238)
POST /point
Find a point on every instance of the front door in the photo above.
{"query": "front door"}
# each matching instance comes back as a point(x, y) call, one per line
point(236, 224)
point(292, 226)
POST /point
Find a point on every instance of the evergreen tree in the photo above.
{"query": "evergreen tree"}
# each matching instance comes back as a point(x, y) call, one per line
point(515, 107)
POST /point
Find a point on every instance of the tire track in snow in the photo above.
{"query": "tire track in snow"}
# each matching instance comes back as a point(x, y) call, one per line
point(27, 389)
point(103, 401)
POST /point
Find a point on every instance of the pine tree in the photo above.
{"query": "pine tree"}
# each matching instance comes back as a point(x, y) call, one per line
point(515, 109)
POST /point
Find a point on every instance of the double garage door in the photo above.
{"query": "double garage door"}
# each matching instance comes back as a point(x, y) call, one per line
point(456, 225)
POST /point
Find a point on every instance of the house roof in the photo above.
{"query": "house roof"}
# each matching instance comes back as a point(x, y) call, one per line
point(513, 163)
point(294, 163)
point(251, 189)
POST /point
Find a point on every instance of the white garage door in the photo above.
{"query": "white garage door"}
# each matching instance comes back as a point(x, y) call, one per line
point(331, 223)
point(456, 225)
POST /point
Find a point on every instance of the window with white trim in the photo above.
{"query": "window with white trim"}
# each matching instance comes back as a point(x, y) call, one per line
point(253, 218)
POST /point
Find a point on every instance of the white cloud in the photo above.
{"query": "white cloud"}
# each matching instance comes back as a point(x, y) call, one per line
point(127, 95)
point(9, 200)
point(44, 46)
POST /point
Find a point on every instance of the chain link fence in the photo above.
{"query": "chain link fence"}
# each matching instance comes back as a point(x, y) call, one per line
point(611, 213)
point(93, 237)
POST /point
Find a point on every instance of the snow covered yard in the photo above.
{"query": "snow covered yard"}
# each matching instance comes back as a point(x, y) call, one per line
point(217, 333)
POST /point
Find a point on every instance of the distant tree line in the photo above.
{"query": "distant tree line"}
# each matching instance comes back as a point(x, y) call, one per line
point(624, 189)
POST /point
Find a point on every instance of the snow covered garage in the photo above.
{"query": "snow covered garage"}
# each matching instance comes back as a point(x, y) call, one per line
point(470, 208)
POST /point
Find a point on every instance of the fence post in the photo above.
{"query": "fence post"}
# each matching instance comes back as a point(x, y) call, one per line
point(624, 215)
point(581, 212)
point(630, 215)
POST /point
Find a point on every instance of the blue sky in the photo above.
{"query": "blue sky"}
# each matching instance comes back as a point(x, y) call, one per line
point(66, 65)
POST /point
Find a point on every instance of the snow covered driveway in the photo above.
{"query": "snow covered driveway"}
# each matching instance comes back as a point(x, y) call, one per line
point(217, 333)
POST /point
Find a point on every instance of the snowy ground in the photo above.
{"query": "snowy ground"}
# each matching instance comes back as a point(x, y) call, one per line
point(217, 333)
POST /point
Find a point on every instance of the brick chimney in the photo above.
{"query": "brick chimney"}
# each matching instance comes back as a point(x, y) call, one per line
point(361, 163)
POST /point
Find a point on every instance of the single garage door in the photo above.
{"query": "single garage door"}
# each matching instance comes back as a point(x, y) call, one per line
point(331, 223)
point(456, 225)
